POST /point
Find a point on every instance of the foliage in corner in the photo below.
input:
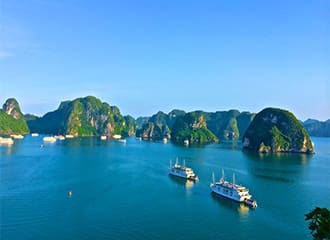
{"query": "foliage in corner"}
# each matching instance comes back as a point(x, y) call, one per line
point(319, 223)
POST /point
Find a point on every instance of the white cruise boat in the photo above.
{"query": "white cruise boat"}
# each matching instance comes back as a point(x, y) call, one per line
point(49, 139)
point(232, 191)
point(182, 171)
point(6, 141)
point(17, 136)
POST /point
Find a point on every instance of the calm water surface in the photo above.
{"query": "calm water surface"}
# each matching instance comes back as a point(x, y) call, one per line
point(123, 191)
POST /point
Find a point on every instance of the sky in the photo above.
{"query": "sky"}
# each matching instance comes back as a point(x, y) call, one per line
point(157, 55)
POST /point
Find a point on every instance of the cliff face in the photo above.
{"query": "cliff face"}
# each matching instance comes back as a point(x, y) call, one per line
point(156, 127)
point(276, 130)
point(228, 125)
point(225, 125)
point(192, 127)
point(12, 121)
point(82, 117)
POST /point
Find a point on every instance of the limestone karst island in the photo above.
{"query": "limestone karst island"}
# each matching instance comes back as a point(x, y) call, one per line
point(270, 131)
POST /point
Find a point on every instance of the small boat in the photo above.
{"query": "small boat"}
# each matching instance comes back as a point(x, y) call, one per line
point(164, 140)
point(34, 134)
point(60, 137)
point(17, 136)
point(186, 142)
point(182, 171)
point(232, 191)
point(6, 141)
point(103, 137)
point(116, 136)
point(69, 136)
point(49, 139)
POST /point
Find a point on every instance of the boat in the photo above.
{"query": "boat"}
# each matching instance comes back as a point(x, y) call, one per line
point(49, 139)
point(34, 134)
point(17, 136)
point(69, 136)
point(116, 136)
point(60, 137)
point(182, 171)
point(232, 191)
point(103, 137)
point(6, 141)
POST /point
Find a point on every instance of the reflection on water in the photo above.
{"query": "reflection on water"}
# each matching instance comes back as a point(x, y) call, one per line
point(83, 141)
point(283, 158)
point(228, 144)
point(241, 208)
point(181, 181)
point(8, 149)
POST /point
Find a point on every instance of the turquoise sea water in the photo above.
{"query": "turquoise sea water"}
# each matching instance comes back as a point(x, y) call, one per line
point(123, 191)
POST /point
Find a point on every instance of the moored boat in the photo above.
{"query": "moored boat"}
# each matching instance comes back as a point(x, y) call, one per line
point(182, 171)
point(60, 137)
point(49, 139)
point(6, 141)
point(17, 136)
point(232, 191)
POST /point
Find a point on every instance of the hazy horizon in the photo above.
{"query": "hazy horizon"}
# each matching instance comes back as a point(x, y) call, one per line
point(151, 56)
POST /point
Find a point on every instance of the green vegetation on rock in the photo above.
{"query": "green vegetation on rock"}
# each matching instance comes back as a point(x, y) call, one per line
point(158, 126)
point(12, 121)
point(276, 130)
point(82, 117)
point(192, 127)
point(130, 127)
point(225, 125)
point(228, 125)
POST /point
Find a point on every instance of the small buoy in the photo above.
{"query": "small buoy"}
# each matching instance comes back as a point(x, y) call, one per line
point(41, 145)
point(70, 193)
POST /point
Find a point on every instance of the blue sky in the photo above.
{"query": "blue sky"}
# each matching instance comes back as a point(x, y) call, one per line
point(145, 56)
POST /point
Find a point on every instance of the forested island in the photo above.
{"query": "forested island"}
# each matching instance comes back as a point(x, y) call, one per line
point(89, 116)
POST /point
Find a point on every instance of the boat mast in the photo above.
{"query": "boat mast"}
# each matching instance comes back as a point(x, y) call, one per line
point(171, 163)
point(223, 175)
point(184, 162)
point(176, 162)
point(213, 177)
point(233, 177)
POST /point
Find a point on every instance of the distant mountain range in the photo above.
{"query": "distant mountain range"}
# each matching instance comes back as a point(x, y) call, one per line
point(89, 116)
point(317, 128)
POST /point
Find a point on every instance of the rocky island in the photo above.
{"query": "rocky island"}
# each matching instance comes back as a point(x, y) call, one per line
point(192, 129)
point(275, 130)
point(12, 121)
point(86, 116)
point(271, 130)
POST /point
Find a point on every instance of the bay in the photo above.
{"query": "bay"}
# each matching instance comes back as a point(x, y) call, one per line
point(123, 191)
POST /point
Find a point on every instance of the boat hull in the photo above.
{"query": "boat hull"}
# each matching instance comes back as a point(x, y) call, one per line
point(246, 199)
point(216, 191)
point(183, 176)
